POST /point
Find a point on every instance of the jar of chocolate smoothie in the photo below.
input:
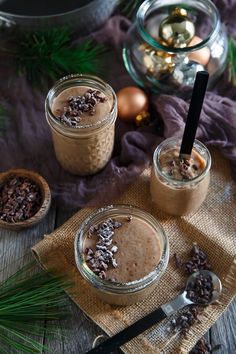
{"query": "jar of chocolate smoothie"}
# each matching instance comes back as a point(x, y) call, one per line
point(81, 111)
point(179, 185)
point(121, 251)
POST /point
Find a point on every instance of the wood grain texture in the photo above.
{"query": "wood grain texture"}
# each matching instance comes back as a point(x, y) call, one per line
point(76, 335)
point(15, 249)
point(224, 331)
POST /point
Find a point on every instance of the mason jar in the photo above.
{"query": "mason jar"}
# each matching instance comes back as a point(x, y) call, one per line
point(164, 68)
point(84, 149)
point(142, 253)
point(175, 196)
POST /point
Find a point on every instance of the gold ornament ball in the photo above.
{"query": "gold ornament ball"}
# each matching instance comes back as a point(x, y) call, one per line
point(131, 102)
point(177, 29)
point(201, 56)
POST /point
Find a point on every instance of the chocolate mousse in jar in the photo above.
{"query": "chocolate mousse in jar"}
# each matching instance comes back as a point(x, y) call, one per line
point(179, 185)
point(121, 251)
point(81, 111)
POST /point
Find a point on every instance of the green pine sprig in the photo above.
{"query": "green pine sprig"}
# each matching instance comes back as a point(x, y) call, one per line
point(44, 56)
point(26, 302)
point(232, 60)
point(128, 8)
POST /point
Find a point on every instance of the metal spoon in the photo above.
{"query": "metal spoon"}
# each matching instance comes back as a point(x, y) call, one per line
point(158, 315)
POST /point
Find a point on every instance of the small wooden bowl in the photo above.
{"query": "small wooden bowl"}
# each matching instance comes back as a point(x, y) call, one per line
point(46, 198)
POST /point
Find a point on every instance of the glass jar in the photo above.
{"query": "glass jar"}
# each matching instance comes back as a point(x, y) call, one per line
point(168, 69)
point(124, 293)
point(174, 196)
point(86, 149)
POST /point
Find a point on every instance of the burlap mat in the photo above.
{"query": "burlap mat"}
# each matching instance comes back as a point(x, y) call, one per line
point(213, 227)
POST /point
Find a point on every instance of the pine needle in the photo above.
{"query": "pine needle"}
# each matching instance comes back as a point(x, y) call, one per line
point(44, 56)
point(232, 60)
point(128, 8)
point(26, 302)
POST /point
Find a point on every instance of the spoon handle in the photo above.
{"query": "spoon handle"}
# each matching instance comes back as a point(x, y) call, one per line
point(142, 325)
point(130, 332)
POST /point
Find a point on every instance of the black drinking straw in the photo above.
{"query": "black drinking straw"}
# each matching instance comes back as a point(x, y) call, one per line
point(194, 112)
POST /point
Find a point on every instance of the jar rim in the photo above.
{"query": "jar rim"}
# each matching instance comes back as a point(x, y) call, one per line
point(84, 79)
point(118, 287)
point(172, 180)
point(141, 15)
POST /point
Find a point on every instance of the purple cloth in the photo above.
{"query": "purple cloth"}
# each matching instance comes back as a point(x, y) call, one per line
point(28, 144)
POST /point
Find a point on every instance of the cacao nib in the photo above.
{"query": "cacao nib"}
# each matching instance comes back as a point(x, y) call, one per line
point(20, 199)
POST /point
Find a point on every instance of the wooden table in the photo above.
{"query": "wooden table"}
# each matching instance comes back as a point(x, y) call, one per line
point(15, 252)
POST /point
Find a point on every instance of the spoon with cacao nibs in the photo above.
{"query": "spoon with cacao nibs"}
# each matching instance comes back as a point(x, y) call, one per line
point(202, 288)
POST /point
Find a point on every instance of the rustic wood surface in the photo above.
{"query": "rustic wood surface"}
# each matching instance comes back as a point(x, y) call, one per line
point(77, 334)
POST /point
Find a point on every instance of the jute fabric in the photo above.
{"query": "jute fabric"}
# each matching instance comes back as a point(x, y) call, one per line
point(213, 227)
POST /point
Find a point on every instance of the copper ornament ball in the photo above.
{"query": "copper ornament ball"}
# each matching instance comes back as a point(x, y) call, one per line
point(201, 56)
point(131, 102)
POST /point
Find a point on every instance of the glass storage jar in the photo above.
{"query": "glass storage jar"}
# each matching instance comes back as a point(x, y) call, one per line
point(153, 64)
point(174, 196)
point(131, 244)
point(86, 149)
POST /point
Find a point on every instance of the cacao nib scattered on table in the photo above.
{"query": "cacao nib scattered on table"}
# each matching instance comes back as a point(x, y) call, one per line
point(20, 199)
point(201, 347)
point(198, 261)
point(186, 319)
point(78, 105)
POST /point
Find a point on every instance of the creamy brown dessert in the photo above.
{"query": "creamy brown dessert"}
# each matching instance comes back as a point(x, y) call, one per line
point(82, 119)
point(179, 186)
point(179, 168)
point(81, 106)
point(123, 249)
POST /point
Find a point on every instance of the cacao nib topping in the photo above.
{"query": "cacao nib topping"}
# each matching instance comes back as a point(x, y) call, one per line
point(77, 105)
point(180, 168)
point(129, 218)
point(104, 255)
point(20, 199)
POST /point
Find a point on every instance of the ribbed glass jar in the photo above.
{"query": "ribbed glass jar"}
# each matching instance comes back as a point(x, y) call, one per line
point(113, 291)
point(165, 69)
point(86, 149)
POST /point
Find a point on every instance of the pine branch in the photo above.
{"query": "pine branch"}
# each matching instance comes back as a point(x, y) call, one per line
point(44, 56)
point(232, 60)
point(128, 8)
point(26, 302)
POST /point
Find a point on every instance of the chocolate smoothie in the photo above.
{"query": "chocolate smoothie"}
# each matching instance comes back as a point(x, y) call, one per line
point(123, 249)
point(179, 185)
point(81, 106)
point(82, 119)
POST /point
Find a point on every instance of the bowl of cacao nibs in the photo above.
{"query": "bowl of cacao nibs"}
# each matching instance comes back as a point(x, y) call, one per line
point(25, 199)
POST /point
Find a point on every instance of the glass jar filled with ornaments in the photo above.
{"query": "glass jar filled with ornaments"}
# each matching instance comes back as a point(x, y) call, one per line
point(173, 39)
